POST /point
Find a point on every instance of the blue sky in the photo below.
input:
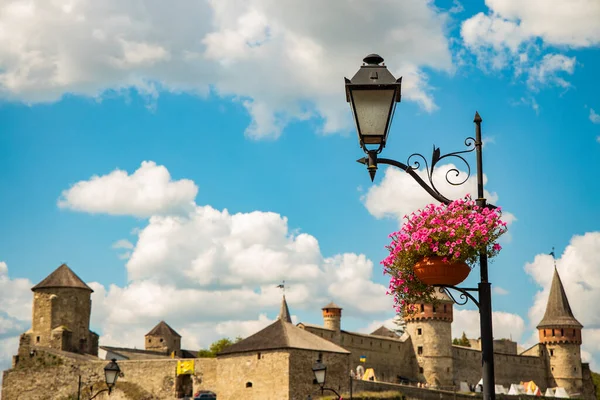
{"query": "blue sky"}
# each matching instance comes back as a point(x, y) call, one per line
point(246, 105)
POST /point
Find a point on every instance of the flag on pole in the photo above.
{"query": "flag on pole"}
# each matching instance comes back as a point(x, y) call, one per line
point(363, 359)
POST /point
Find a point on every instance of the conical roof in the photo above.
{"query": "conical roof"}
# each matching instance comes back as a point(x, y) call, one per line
point(284, 312)
point(282, 335)
point(163, 329)
point(383, 331)
point(332, 305)
point(558, 310)
point(62, 277)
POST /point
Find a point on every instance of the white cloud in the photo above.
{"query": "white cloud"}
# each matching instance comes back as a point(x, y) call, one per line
point(122, 244)
point(579, 269)
point(283, 61)
point(546, 71)
point(148, 191)
point(514, 34)
point(500, 291)
point(505, 325)
point(182, 262)
point(399, 194)
point(594, 117)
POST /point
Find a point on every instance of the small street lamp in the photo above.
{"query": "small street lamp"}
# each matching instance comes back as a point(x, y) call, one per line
point(373, 93)
point(320, 371)
point(111, 374)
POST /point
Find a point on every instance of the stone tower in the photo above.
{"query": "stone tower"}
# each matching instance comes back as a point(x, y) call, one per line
point(164, 339)
point(560, 333)
point(332, 319)
point(430, 332)
point(62, 307)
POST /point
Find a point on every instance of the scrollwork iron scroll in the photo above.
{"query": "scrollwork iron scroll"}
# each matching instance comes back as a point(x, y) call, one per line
point(464, 297)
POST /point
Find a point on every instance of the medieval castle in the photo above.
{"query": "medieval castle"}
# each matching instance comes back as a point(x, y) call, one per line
point(276, 362)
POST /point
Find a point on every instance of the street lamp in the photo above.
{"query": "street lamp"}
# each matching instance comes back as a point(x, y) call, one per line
point(111, 374)
point(371, 91)
point(320, 371)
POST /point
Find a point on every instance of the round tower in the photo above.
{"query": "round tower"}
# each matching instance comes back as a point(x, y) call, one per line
point(560, 334)
point(62, 308)
point(332, 317)
point(429, 328)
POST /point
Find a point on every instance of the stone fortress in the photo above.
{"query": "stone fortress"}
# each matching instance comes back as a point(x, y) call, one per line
point(276, 362)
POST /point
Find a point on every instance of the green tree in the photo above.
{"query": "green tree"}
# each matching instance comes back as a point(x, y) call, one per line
point(217, 347)
point(463, 341)
point(400, 325)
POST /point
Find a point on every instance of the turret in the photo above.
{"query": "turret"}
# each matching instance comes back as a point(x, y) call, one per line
point(332, 318)
point(163, 338)
point(429, 328)
point(560, 333)
point(62, 308)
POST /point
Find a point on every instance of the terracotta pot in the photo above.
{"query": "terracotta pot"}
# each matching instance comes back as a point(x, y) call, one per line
point(433, 271)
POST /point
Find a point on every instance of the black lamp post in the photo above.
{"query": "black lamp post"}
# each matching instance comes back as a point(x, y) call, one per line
point(373, 93)
point(320, 371)
point(111, 374)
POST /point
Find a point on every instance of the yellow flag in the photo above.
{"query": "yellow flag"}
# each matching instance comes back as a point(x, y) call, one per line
point(185, 367)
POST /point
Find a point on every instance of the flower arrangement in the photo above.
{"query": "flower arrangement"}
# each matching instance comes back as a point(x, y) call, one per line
point(457, 232)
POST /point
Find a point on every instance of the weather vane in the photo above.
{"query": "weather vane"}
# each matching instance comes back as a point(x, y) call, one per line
point(282, 287)
point(553, 256)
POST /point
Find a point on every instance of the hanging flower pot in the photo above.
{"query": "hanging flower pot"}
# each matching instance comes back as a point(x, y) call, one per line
point(439, 245)
point(434, 271)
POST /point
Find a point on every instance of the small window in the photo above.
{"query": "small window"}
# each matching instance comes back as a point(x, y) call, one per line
point(248, 384)
point(258, 356)
point(434, 309)
point(573, 332)
point(552, 368)
point(422, 308)
point(444, 307)
point(321, 356)
point(553, 332)
point(544, 333)
point(419, 331)
point(551, 353)
point(420, 370)
point(37, 339)
point(371, 343)
point(574, 369)
point(149, 340)
point(420, 350)
point(448, 369)
point(161, 340)
point(562, 332)
point(361, 341)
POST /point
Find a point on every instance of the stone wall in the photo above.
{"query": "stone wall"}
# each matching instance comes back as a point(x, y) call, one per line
point(388, 357)
point(508, 368)
point(49, 374)
point(432, 344)
point(565, 366)
point(254, 376)
point(301, 380)
point(164, 344)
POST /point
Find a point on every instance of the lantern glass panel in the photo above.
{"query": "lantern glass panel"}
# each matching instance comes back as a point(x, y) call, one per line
point(372, 110)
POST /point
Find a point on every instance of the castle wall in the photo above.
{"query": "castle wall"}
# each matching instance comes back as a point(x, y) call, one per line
point(388, 357)
point(302, 376)
point(62, 307)
point(508, 368)
point(52, 374)
point(267, 372)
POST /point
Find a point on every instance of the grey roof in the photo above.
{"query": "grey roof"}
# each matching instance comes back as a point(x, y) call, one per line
point(62, 277)
point(162, 329)
point(332, 305)
point(284, 312)
point(383, 331)
point(135, 354)
point(282, 335)
point(558, 310)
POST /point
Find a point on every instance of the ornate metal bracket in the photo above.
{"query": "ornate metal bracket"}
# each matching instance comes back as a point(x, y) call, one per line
point(464, 294)
point(413, 164)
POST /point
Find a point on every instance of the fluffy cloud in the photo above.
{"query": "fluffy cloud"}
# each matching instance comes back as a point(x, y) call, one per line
point(399, 194)
point(546, 72)
point(190, 256)
point(275, 57)
point(148, 191)
point(509, 35)
point(505, 325)
point(594, 116)
point(15, 314)
point(579, 269)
